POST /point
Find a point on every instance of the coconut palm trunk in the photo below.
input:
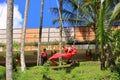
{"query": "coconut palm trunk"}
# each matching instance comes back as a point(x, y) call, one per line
point(60, 44)
point(40, 33)
point(9, 40)
point(22, 57)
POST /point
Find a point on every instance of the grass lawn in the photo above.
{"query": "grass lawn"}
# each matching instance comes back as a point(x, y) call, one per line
point(89, 70)
point(86, 71)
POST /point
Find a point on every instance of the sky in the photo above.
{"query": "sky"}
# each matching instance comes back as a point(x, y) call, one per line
point(33, 14)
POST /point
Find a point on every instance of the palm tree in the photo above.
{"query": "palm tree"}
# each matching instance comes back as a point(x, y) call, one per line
point(40, 32)
point(9, 41)
point(104, 28)
point(88, 14)
point(23, 66)
point(60, 14)
point(101, 34)
point(84, 13)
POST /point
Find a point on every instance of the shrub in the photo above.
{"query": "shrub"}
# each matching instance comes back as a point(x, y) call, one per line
point(117, 67)
point(34, 73)
point(2, 73)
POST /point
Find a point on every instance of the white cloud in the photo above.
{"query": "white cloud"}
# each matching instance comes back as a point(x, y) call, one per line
point(3, 16)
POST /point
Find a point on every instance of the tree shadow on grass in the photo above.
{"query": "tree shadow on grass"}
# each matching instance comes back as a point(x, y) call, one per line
point(73, 65)
point(46, 78)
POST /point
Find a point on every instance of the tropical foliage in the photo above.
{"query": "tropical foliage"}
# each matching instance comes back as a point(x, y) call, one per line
point(105, 25)
point(116, 43)
point(97, 14)
point(79, 12)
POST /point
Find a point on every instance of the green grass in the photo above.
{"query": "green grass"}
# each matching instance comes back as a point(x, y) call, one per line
point(89, 70)
point(86, 71)
point(33, 73)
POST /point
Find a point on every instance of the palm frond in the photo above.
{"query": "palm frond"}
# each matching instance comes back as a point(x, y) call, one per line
point(65, 13)
point(100, 30)
point(80, 8)
point(85, 11)
point(116, 12)
point(54, 10)
point(56, 20)
point(68, 20)
point(71, 14)
point(72, 21)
